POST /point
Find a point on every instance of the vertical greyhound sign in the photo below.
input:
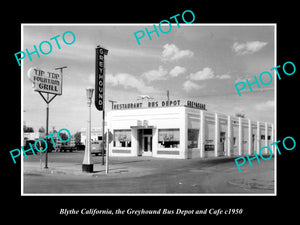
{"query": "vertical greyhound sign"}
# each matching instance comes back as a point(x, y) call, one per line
point(100, 87)
point(100, 78)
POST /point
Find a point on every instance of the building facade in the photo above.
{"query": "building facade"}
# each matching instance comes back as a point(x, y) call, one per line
point(188, 130)
point(96, 134)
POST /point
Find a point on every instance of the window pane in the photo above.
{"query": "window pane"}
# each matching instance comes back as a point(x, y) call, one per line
point(122, 138)
point(168, 138)
point(193, 135)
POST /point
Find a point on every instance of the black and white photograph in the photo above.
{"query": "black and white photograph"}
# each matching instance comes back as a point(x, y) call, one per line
point(147, 113)
point(175, 120)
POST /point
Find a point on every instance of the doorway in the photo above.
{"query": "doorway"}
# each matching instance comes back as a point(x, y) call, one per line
point(222, 142)
point(145, 139)
point(147, 145)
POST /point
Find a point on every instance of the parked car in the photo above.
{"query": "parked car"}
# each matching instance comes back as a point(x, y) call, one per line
point(69, 148)
point(96, 147)
point(80, 147)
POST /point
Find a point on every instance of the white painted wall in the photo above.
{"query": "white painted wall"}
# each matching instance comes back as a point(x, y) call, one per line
point(159, 118)
point(182, 118)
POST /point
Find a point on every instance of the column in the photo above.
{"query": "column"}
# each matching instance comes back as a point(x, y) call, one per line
point(266, 138)
point(134, 142)
point(272, 138)
point(250, 147)
point(202, 133)
point(240, 143)
point(217, 134)
point(258, 137)
point(229, 136)
point(183, 133)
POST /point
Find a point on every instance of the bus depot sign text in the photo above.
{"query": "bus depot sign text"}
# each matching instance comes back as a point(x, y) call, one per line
point(154, 104)
point(45, 81)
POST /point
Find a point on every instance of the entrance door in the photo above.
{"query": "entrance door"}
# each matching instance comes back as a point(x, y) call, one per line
point(145, 139)
point(222, 143)
point(147, 142)
point(147, 145)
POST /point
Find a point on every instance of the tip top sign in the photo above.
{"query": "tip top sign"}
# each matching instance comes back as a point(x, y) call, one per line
point(45, 81)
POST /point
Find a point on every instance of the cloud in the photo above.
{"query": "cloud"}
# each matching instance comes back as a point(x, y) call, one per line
point(249, 47)
point(177, 70)
point(207, 73)
point(162, 74)
point(129, 81)
point(224, 76)
point(189, 86)
point(172, 53)
point(268, 105)
point(242, 78)
point(159, 74)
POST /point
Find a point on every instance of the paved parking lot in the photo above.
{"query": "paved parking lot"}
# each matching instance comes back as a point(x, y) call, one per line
point(146, 175)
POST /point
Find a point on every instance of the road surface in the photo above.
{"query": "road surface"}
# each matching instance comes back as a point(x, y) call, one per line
point(147, 175)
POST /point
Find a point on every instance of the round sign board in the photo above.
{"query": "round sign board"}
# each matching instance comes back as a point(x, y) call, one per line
point(110, 137)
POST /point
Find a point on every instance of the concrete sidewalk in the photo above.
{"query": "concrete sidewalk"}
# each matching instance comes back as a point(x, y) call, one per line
point(134, 166)
point(30, 168)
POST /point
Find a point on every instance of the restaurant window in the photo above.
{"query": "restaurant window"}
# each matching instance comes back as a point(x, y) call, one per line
point(234, 141)
point(209, 145)
point(193, 135)
point(122, 138)
point(168, 138)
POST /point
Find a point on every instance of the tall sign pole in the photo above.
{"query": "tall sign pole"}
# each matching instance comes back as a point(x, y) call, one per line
point(47, 131)
point(47, 116)
point(100, 88)
point(107, 141)
point(50, 83)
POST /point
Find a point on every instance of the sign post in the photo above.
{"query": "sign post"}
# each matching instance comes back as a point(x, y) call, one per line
point(50, 83)
point(108, 137)
point(100, 87)
point(107, 151)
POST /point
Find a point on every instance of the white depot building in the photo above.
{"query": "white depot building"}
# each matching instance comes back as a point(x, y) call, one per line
point(177, 129)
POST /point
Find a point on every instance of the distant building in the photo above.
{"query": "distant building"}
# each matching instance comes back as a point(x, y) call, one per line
point(71, 142)
point(32, 136)
point(96, 134)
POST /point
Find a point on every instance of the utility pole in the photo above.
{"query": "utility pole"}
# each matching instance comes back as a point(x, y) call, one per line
point(168, 95)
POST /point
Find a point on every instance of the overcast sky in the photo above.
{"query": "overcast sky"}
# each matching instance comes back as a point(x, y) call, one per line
point(195, 62)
